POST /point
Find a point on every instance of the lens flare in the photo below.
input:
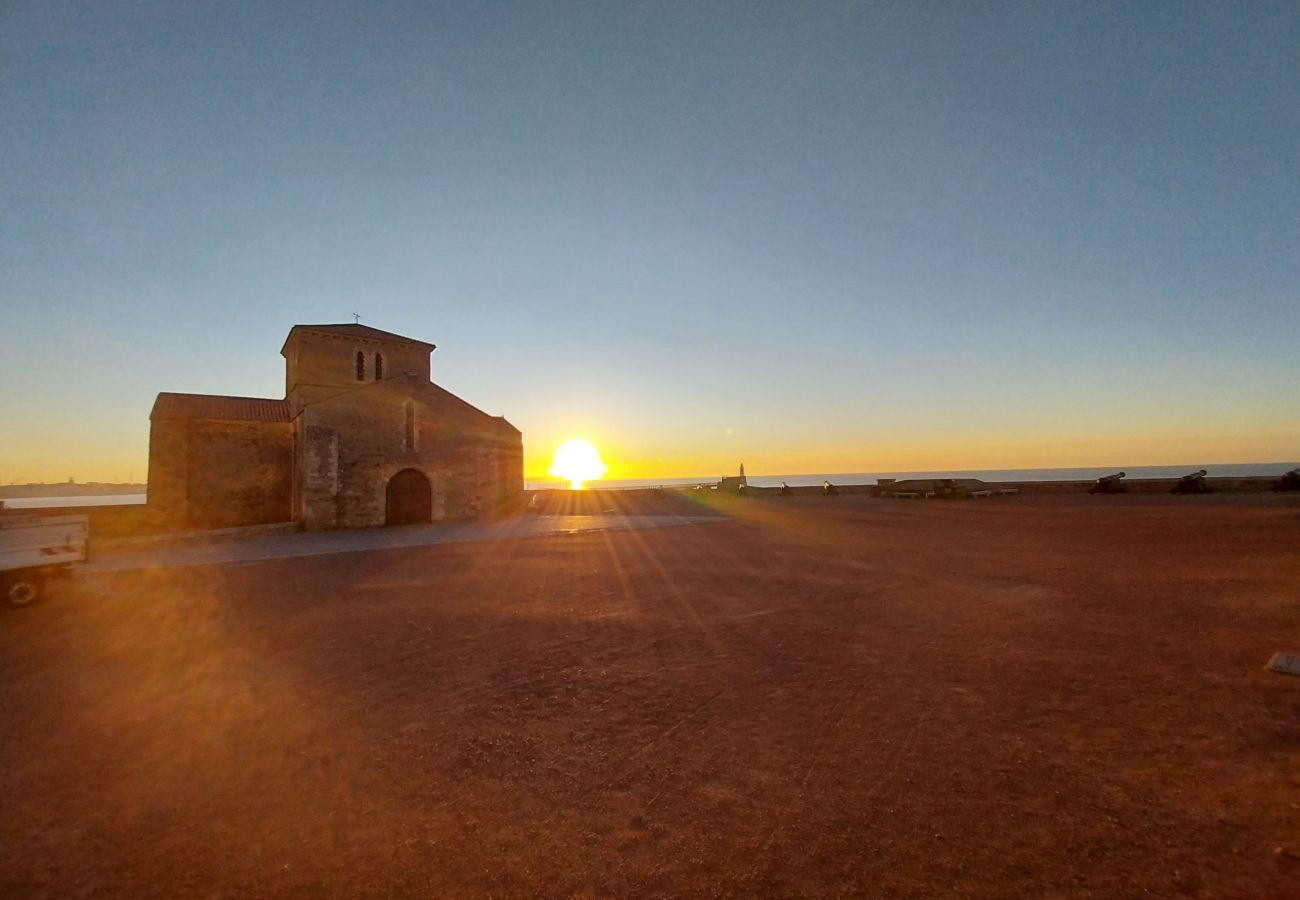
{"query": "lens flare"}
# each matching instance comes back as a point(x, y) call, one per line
point(578, 460)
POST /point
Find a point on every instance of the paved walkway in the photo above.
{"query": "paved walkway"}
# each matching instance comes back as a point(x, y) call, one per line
point(320, 543)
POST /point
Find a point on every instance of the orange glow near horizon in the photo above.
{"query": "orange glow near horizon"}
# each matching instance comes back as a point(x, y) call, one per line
point(577, 460)
point(94, 450)
point(766, 456)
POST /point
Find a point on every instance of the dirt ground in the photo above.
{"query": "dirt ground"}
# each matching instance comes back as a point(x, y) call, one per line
point(1053, 696)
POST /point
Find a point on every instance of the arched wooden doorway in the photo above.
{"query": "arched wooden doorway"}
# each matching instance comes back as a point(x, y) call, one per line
point(410, 499)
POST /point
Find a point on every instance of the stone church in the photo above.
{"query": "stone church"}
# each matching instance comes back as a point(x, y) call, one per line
point(362, 437)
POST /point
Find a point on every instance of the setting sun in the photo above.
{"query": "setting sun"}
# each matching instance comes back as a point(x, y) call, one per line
point(578, 460)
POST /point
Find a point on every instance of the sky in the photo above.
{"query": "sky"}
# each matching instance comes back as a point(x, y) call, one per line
point(812, 237)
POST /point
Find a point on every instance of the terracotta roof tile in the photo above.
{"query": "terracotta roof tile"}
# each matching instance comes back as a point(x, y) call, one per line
point(215, 406)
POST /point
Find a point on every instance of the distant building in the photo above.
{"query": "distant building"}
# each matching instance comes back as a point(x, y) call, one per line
point(734, 483)
point(362, 437)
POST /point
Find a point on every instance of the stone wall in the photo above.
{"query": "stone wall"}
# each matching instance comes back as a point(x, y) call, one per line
point(317, 484)
point(240, 473)
point(1247, 485)
point(111, 520)
point(168, 469)
point(210, 474)
point(318, 366)
point(352, 444)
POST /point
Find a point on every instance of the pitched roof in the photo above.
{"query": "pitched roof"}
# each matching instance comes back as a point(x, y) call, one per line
point(433, 392)
point(365, 332)
point(449, 397)
point(215, 406)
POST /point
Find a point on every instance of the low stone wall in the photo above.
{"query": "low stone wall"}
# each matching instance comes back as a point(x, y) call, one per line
point(1133, 486)
point(102, 545)
point(809, 490)
point(1145, 485)
point(107, 521)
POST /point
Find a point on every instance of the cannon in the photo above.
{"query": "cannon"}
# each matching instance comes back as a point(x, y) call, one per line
point(1289, 482)
point(1192, 483)
point(949, 489)
point(1109, 484)
point(829, 490)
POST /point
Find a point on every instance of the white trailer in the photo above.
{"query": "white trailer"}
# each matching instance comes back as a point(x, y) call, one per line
point(34, 547)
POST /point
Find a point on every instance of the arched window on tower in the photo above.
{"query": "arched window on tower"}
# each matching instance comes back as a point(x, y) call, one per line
point(410, 425)
point(361, 366)
point(379, 366)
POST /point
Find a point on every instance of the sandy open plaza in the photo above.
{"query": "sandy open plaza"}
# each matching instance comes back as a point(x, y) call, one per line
point(1054, 696)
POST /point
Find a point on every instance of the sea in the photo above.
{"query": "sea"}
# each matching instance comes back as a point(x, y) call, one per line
point(1086, 473)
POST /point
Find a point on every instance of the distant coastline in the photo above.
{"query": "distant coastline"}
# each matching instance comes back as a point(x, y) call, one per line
point(69, 489)
point(1082, 473)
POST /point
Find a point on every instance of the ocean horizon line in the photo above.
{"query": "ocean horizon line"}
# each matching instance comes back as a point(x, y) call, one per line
point(1066, 473)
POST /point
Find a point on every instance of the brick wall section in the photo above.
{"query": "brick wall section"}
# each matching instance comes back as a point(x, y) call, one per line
point(510, 462)
point(318, 366)
point(318, 476)
point(168, 469)
point(239, 473)
point(217, 474)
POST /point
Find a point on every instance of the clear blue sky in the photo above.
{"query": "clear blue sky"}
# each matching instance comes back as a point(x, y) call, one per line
point(815, 237)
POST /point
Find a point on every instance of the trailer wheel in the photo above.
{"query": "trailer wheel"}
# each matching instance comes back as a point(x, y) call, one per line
point(22, 590)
